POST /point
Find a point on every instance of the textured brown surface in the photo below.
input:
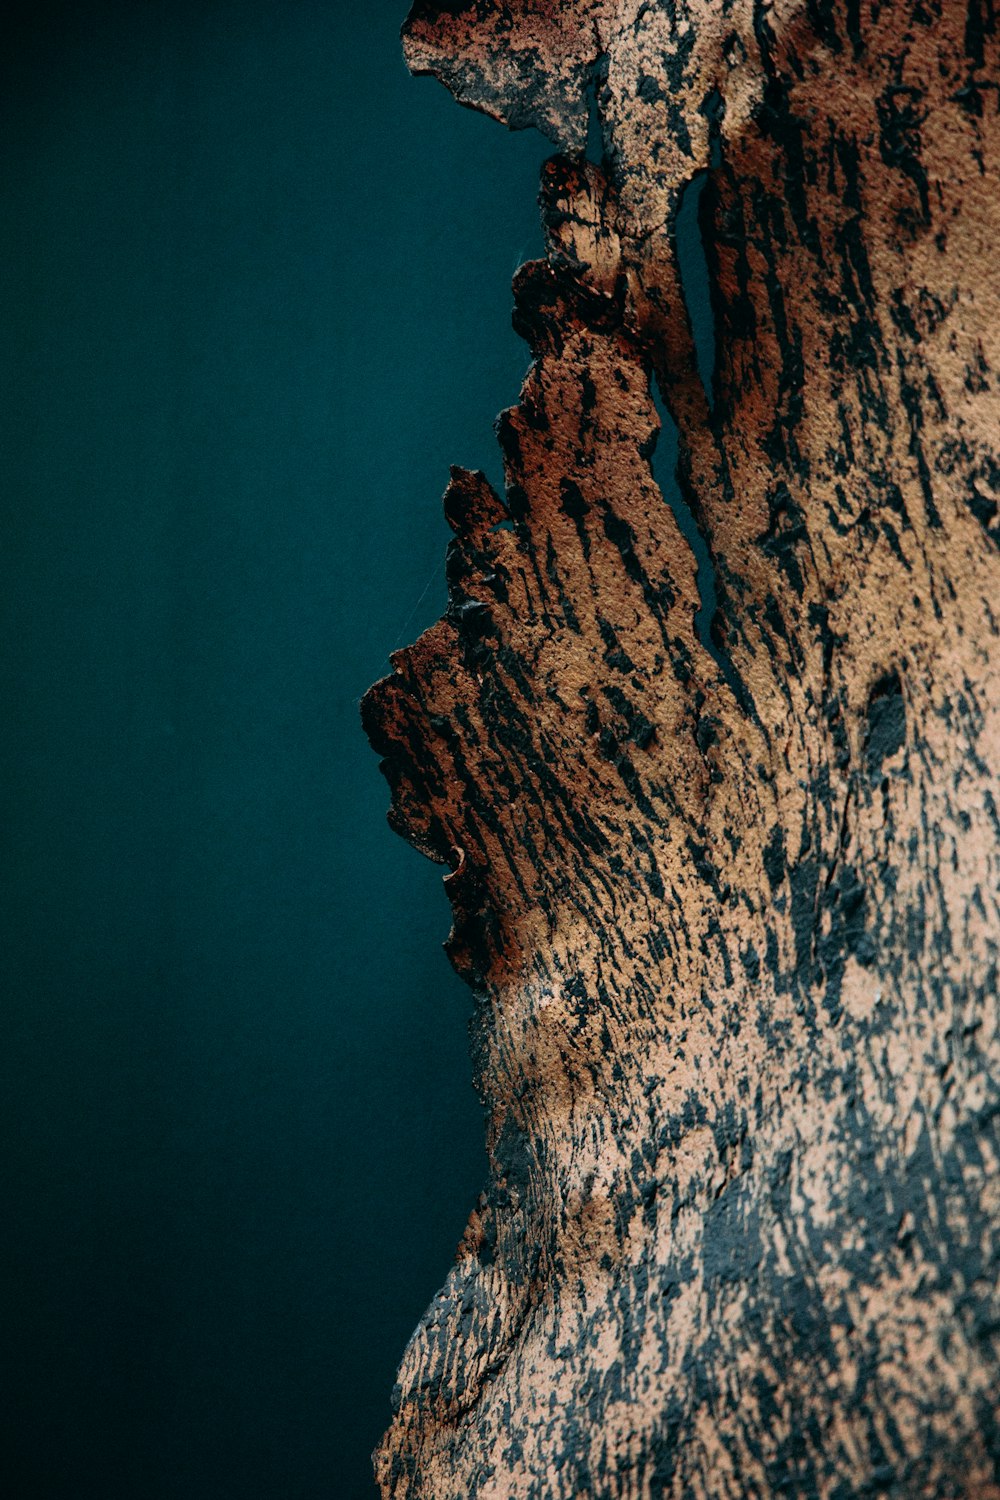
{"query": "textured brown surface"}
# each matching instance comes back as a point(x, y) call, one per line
point(729, 906)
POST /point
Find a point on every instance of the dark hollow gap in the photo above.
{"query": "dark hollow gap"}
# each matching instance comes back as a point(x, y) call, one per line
point(696, 285)
point(663, 463)
point(594, 149)
point(689, 244)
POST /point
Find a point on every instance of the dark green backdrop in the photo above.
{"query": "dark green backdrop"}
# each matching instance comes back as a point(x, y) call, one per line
point(255, 298)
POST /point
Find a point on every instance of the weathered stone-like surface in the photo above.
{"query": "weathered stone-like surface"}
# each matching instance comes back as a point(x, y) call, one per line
point(730, 910)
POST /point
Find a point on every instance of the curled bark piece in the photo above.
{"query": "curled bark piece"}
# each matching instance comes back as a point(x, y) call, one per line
point(728, 901)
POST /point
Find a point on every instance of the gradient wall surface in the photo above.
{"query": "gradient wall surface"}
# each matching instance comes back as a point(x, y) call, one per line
point(255, 298)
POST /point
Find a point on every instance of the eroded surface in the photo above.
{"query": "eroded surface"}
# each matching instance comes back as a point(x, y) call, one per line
point(730, 914)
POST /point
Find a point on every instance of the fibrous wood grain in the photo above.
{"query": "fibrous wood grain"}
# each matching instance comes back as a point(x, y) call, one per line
point(728, 900)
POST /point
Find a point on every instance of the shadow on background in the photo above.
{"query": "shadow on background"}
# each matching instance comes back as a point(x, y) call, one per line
point(255, 298)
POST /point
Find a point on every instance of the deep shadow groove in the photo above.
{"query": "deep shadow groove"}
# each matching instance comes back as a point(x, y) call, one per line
point(594, 149)
point(689, 247)
point(664, 466)
point(696, 286)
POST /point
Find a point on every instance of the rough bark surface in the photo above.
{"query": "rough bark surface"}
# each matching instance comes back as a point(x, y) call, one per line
point(729, 903)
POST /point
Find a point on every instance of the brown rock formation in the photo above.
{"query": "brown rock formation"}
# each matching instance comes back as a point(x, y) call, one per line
point(729, 903)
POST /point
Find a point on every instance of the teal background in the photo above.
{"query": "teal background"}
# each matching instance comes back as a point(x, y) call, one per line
point(254, 299)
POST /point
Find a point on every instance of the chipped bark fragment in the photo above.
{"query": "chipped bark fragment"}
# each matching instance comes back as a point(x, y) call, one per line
point(730, 914)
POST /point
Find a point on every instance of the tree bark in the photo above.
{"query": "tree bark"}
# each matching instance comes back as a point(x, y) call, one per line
point(725, 879)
